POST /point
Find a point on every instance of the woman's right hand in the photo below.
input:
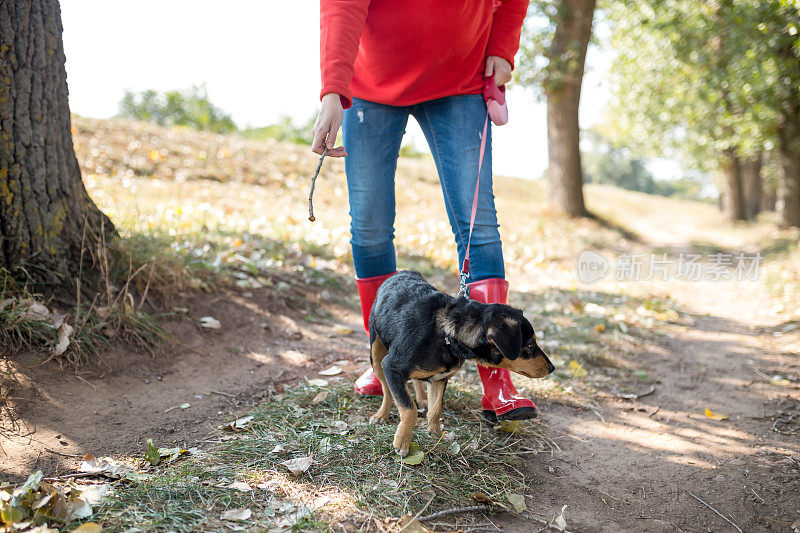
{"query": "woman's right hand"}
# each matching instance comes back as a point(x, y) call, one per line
point(327, 126)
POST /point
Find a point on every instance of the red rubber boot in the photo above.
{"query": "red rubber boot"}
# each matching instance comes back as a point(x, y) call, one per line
point(367, 383)
point(500, 400)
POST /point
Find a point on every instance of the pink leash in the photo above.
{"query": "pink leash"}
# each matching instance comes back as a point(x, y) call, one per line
point(497, 110)
point(464, 290)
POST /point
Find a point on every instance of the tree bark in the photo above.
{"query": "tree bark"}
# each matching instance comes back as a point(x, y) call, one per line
point(44, 206)
point(751, 180)
point(788, 201)
point(734, 194)
point(567, 56)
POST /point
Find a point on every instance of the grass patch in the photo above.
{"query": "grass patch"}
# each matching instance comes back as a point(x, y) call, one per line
point(355, 481)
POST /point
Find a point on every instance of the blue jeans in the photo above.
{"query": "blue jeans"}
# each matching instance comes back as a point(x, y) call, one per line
point(452, 126)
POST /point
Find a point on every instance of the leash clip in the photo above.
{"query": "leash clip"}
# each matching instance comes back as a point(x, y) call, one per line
point(463, 291)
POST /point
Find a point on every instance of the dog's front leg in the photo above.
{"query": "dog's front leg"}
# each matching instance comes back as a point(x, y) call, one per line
point(435, 403)
point(405, 404)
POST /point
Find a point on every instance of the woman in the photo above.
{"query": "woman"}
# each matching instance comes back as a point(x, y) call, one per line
point(382, 61)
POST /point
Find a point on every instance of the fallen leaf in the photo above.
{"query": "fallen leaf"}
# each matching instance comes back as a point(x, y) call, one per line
point(317, 382)
point(332, 371)
point(560, 523)
point(600, 327)
point(339, 426)
point(79, 509)
point(480, 497)
point(239, 423)
point(62, 344)
point(185, 405)
point(240, 486)
point(518, 501)
point(88, 527)
point(509, 426)
point(454, 448)
point(209, 322)
point(94, 494)
point(409, 524)
point(576, 369)
point(10, 514)
point(151, 454)
point(42, 529)
point(298, 465)
point(320, 397)
point(325, 445)
point(33, 310)
point(237, 514)
point(415, 455)
point(106, 466)
point(172, 453)
point(715, 416)
point(342, 330)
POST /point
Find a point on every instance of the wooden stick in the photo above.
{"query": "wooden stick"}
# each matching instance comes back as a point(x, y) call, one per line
point(446, 512)
point(717, 512)
point(311, 216)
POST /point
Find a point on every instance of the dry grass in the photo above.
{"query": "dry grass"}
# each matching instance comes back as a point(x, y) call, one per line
point(356, 482)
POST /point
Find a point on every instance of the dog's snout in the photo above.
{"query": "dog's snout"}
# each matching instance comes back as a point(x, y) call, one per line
point(550, 368)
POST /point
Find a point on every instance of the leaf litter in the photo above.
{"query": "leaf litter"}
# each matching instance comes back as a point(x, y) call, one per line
point(352, 476)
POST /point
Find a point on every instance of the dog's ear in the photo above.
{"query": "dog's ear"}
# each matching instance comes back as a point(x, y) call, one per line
point(506, 336)
point(526, 329)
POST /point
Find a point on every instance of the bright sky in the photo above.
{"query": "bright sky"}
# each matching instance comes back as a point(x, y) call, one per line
point(259, 60)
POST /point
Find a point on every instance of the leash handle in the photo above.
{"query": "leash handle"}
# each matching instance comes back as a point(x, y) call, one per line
point(464, 290)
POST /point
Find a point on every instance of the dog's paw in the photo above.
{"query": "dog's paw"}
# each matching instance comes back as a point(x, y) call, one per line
point(377, 418)
point(435, 430)
point(402, 451)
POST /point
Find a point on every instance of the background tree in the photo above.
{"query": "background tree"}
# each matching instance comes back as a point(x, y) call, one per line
point(190, 107)
point(713, 84)
point(556, 37)
point(44, 207)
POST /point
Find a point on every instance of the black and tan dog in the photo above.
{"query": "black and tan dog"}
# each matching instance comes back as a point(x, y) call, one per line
point(417, 332)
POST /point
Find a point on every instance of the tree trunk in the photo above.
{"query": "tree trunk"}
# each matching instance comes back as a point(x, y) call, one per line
point(768, 200)
point(751, 179)
point(44, 206)
point(734, 194)
point(567, 56)
point(788, 202)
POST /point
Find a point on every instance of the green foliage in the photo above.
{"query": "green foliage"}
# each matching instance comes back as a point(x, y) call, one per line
point(190, 107)
point(692, 79)
point(285, 130)
point(541, 63)
point(619, 166)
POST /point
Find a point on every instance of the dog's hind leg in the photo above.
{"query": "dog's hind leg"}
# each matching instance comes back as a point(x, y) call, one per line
point(435, 403)
point(419, 394)
point(405, 404)
point(377, 353)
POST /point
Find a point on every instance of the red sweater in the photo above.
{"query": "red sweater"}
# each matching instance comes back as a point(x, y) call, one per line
point(402, 52)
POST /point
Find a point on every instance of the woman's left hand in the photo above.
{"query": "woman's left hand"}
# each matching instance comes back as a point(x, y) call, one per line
point(500, 68)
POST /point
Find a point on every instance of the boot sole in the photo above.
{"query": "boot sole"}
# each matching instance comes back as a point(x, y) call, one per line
point(520, 413)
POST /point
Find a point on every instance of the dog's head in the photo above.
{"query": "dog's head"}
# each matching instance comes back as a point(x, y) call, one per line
point(508, 341)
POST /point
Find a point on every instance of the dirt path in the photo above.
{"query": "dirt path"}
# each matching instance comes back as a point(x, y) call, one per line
point(632, 470)
point(635, 470)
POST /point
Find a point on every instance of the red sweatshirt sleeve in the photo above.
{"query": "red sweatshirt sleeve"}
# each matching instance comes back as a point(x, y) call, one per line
point(341, 24)
point(506, 29)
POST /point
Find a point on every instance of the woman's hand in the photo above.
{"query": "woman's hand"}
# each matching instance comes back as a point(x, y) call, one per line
point(500, 68)
point(327, 126)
